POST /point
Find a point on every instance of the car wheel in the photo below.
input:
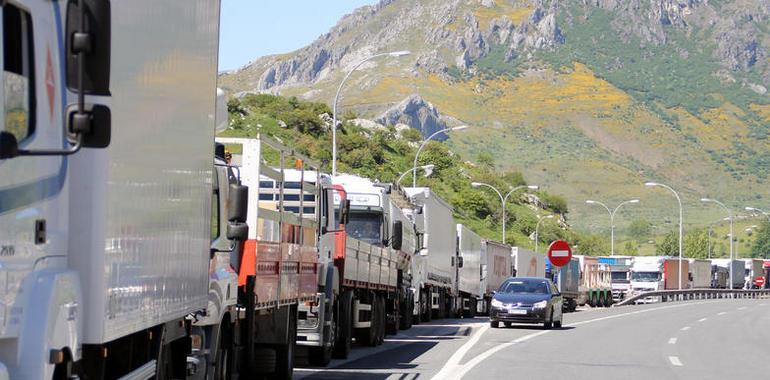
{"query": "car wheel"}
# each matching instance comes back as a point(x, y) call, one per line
point(557, 324)
point(494, 324)
point(549, 322)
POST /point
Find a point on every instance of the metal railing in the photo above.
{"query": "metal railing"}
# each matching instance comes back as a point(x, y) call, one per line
point(695, 294)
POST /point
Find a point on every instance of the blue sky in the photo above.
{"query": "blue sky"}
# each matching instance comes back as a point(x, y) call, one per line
point(254, 28)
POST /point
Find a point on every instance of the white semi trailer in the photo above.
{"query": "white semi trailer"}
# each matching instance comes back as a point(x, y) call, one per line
point(433, 272)
point(106, 132)
point(527, 263)
point(467, 271)
point(495, 269)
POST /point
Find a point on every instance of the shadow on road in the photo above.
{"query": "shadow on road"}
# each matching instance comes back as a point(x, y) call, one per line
point(395, 360)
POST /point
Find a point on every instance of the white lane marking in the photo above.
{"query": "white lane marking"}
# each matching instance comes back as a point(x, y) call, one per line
point(672, 341)
point(722, 313)
point(762, 304)
point(702, 320)
point(454, 361)
point(416, 340)
point(742, 308)
point(377, 371)
point(685, 328)
point(675, 361)
point(457, 371)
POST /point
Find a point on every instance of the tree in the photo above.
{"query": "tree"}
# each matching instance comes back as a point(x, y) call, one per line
point(761, 246)
point(592, 245)
point(669, 246)
point(639, 229)
point(630, 248)
point(696, 244)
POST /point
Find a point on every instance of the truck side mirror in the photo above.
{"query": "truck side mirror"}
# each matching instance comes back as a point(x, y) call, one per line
point(237, 231)
point(398, 235)
point(345, 212)
point(238, 203)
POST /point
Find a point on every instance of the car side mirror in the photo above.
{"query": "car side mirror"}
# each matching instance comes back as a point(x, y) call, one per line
point(398, 235)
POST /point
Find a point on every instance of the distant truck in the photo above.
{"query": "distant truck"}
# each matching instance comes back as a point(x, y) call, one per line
point(527, 263)
point(467, 271)
point(495, 269)
point(753, 270)
point(568, 281)
point(434, 275)
point(620, 268)
point(700, 274)
point(738, 270)
point(671, 273)
point(595, 282)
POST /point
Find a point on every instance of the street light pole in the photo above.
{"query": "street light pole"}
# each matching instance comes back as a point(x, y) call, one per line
point(428, 170)
point(681, 225)
point(504, 199)
point(754, 209)
point(732, 237)
point(337, 96)
point(417, 155)
point(612, 219)
point(540, 219)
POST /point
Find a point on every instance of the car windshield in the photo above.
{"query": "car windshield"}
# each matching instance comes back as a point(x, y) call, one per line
point(365, 226)
point(525, 287)
point(645, 276)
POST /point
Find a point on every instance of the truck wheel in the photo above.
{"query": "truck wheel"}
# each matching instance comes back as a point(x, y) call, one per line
point(427, 307)
point(394, 320)
point(494, 324)
point(368, 336)
point(474, 305)
point(507, 324)
point(383, 322)
point(224, 361)
point(344, 326)
point(591, 299)
point(284, 361)
point(320, 356)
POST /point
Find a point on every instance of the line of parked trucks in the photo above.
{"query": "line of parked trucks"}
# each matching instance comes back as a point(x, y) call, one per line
point(131, 248)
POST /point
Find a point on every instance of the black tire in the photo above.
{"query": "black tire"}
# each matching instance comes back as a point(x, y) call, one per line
point(494, 324)
point(557, 324)
point(344, 326)
point(284, 354)
point(591, 299)
point(602, 300)
point(474, 307)
point(224, 360)
point(508, 324)
point(395, 319)
point(368, 336)
point(383, 326)
point(548, 322)
point(428, 311)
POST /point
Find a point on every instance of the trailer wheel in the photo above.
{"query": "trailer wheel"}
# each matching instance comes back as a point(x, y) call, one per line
point(284, 361)
point(344, 327)
point(394, 320)
point(591, 299)
point(407, 314)
point(383, 321)
point(368, 336)
point(427, 308)
point(474, 306)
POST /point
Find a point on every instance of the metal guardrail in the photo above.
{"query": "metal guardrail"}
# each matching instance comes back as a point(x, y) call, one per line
point(696, 294)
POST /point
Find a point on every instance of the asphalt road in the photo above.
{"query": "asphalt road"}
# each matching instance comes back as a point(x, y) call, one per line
point(716, 339)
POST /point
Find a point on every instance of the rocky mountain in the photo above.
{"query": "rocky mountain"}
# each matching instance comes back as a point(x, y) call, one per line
point(589, 97)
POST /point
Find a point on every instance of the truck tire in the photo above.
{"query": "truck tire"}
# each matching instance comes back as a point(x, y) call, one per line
point(474, 306)
point(427, 311)
point(394, 320)
point(344, 326)
point(383, 325)
point(224, 360)
point(284, 354)
point(591, 299)
point(494, 324)
point(368, 336)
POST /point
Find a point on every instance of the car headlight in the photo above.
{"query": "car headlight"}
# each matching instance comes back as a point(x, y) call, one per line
point(496, 303)
point(540, 305)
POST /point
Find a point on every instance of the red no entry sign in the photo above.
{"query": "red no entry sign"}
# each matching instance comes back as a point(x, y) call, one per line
point(560, 253)
point(759, 281)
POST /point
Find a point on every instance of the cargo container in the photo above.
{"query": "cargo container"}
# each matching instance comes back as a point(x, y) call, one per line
point(567, 279)
point(753, 270)
point(671, 273)
point(495, 269)
point(595, 282)
point(527, 263)
point(435, 224)
point(700, 273)
point(467, 271)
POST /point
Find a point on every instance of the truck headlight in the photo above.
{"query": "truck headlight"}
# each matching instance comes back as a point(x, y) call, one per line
point(540, 305)
point(496, 303)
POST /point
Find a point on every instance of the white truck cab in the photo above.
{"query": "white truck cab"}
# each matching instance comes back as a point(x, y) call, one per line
point(647, 274)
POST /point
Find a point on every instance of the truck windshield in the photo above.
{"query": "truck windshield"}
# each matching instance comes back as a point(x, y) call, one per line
point(645, 276)
point(619, 277)
point(365, 226)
